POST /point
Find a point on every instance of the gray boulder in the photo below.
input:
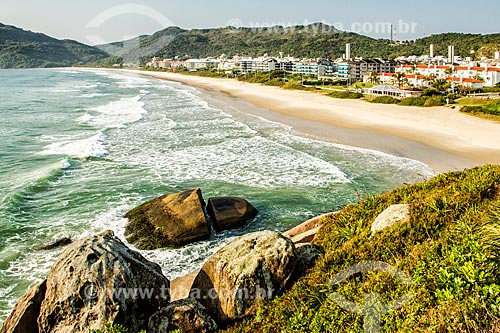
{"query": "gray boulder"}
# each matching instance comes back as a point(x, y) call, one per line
point(170, 220)
point(99, 280)
point(244, 275)
point(389, 217)
point(186, 315)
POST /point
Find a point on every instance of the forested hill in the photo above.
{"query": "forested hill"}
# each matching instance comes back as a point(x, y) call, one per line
point(316, 40)
point(25, 49)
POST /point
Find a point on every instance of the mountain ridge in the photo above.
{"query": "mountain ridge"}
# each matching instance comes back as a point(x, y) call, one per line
point(314, 41)
point(21, 48)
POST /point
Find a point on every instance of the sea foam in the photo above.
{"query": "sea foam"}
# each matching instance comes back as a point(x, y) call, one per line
point(93, 146)
point(116, 114)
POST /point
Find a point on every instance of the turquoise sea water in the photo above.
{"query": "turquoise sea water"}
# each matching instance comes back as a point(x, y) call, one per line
point(78, 149)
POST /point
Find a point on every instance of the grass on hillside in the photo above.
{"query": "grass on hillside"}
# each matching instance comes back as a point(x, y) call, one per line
point(450, 249)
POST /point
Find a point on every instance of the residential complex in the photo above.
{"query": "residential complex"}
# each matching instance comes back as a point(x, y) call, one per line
point(416, 71)
point(347, 69)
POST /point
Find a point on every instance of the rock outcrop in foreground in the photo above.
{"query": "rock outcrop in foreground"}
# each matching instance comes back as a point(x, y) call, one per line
point(244, 275)
point(95, 281)
point(98, 280)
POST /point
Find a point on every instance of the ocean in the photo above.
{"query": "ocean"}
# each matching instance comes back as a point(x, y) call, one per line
point(80, 148)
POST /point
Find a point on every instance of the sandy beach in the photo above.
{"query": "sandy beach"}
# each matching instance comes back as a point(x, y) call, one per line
point(441, 137)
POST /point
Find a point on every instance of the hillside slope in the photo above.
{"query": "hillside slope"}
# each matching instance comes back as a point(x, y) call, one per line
point(142, 47)
point(25, 49)
point(315, 40)
point(450, 249)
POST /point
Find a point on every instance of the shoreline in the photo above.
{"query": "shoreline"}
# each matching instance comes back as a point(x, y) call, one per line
point(441, 137)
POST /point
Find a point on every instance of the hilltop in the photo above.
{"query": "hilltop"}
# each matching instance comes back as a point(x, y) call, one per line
point(25, 49)
point(314, 41)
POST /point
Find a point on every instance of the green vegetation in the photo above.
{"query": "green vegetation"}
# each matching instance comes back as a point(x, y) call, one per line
point(449, 248)
point(471, 101)
point(346, 94)
point(316, 40)
point(108, 328)
point(491, 89)
point(294, 85)
point(25, 49)
point(109, 62)
point(487, 109)
point(413, 101)
point(423, 101)
point(384, 100)
point(434, 101)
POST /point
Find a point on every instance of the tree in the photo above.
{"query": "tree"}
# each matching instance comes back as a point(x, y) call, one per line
point(440, 85)
point(401, 79)
point(374, 79)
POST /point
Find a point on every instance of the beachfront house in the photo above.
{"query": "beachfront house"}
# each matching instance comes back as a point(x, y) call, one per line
point(389, 90)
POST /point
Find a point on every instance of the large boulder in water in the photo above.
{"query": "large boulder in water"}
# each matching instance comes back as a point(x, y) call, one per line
point(170, 220)
point(230, 213)
point(99, 280)
point(244, 275)
point(23, 318)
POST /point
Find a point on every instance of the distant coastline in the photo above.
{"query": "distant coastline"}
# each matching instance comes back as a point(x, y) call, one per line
point(443, 138)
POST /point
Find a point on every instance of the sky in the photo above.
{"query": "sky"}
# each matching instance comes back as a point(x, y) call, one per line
point(101, 21)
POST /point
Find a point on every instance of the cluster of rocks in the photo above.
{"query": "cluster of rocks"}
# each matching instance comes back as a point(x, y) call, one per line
point(182, 218)
point(99, 280)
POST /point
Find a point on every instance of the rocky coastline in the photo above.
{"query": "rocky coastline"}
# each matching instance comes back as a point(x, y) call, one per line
point(98, 280)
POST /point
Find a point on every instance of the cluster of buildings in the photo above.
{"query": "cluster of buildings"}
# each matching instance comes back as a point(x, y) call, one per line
point(344, 68)
point(419, 72)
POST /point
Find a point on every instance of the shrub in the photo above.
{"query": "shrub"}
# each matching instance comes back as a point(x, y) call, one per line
point(293, 85)
point(276, 82)
point(414, 101)
point(385, 100)
point(434, 101)
point(109, 328)
point(491, 109)
point(346, 95)
point(471, 109)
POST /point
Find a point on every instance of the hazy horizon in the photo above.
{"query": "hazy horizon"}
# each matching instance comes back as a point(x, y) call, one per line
point(108, 21)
